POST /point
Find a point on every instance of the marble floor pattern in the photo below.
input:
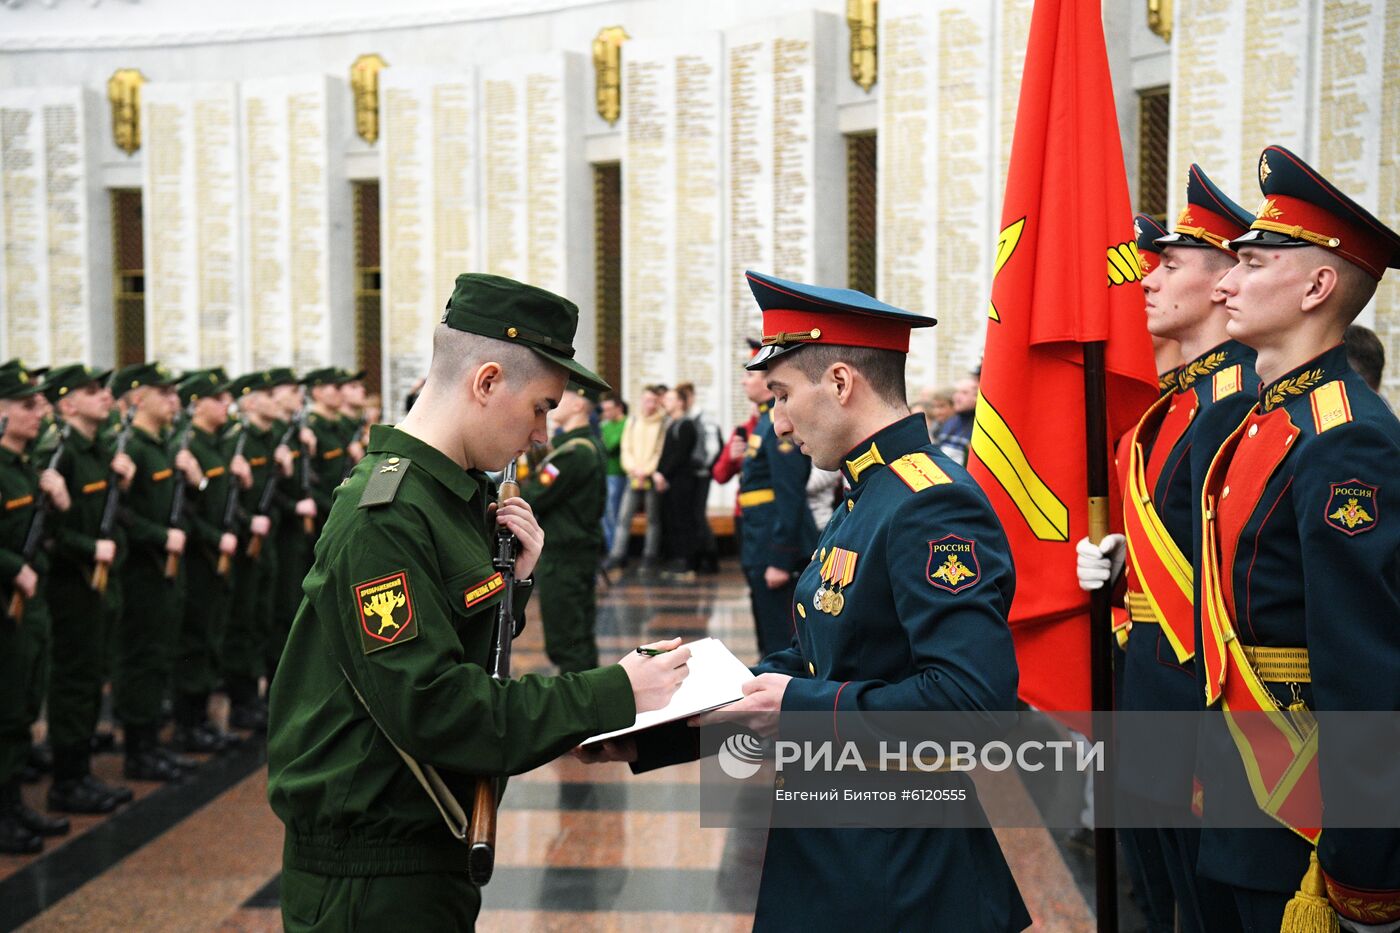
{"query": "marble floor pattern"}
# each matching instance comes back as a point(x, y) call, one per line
point(579, 848)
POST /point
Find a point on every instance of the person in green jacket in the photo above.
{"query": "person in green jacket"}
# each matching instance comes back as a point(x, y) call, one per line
point(149, 624)
point(24, 641)
point(209, 546)
point(389, 650)
point(568, 491)
point(81, 616)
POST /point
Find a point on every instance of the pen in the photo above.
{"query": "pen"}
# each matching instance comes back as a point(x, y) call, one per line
point(652, 652)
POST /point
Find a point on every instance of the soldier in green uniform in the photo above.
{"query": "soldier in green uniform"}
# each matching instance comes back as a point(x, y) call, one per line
point(81, 616)
point(391, 643)
point(568, 492)
point(296, 508)
point(329, 456)
point(250, 610)
point(352, 412)
point(208, 543)
point(149, 624)
point(24, 641)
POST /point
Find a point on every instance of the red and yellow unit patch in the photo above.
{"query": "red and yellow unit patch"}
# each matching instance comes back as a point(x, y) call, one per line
point(386, 612)
point(483, 590)
point(548, 474)
point(1353, 507)
point(952, 563)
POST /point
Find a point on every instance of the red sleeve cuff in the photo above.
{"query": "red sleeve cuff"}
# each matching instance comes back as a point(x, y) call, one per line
point(1363, 905)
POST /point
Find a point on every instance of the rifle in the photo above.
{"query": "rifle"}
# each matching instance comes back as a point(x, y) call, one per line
point(114, 498)
point(35, 536)
point(231, 499)
point(308, 523)
point(350, 464)
point(269, 490)
point(481, 856)
point(177, 500)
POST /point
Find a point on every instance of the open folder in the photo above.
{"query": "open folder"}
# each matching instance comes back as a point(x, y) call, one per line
point(716, 679)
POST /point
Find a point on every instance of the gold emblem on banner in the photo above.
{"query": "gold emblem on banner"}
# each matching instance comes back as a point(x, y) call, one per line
point(863, 18)
point(364, 84)
point(607, 71)
point(1159, 18)
point(124, 94)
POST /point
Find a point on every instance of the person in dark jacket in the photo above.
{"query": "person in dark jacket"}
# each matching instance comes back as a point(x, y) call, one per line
point(675, 479)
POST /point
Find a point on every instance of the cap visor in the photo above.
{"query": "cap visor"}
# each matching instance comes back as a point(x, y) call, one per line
point(578, 373)
point(1265, 238)
point(1180, 240)
point(765, 357)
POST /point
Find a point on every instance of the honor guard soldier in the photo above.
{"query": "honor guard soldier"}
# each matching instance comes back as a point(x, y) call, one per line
point(1212, 392)
point(568, 491)
point(209, 546)
point(902, 607)
point(254, 442)
point(776, 529)
point(149, 627)
point(81, 615)
point(1298, 599)
point(389, 650)
point(296, 510)
point(24, 615)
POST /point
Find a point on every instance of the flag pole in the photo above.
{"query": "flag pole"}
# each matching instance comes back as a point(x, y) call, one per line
point(1100, 663)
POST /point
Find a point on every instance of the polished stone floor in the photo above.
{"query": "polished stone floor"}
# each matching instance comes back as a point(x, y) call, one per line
point(579, 848)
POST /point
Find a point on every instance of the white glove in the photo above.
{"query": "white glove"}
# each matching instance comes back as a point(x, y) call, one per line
point(1101, 563)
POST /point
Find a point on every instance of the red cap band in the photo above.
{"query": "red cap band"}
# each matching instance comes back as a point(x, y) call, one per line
point(1307, 221)
point(847, 330)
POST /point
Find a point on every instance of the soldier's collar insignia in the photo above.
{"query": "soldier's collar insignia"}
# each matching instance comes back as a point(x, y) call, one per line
point(1168, 381)
point(386, 612)
point(952, 563)
point(871, 457)
point(1290, 388)
point(1353, 507)
point(1188, 374)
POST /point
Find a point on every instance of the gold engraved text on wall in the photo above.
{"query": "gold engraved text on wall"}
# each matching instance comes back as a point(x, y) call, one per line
point(364, 84)
point(863, 17)
point(124, 93)
point(607, 71)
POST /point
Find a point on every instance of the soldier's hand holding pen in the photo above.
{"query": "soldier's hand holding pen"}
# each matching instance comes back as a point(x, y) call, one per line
point(656, 671)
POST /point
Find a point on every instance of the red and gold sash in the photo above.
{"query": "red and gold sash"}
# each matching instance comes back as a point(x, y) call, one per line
point(1277, 748)
point(1161, 572)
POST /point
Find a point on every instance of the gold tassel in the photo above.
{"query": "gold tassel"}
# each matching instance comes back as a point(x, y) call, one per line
point(1309, 911)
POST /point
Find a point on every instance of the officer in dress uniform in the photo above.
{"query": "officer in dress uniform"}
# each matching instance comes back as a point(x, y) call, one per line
point(1210, 394)
point(149, 625)
point(777, 531)
point(902, 607)
point(81, 616)
point(24, 641)
point(568, 491)
point(209, 542)
point(1298, 573)
point(391, 643)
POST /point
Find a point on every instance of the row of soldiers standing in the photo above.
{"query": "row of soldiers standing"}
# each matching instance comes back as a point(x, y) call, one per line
point(151, 538)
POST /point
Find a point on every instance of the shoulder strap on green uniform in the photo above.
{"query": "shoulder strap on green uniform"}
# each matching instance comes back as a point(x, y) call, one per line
point(574, 442)
point(383, 483)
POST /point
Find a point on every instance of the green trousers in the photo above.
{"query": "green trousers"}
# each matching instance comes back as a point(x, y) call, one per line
point(80, 622)
point(564, 584)
point(250, 612)
point(24, 671)
point(442, 901)
point(201, 627)
point(294, 554)
point(146, 636)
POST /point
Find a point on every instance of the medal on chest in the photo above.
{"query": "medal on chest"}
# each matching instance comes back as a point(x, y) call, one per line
point(837, 571)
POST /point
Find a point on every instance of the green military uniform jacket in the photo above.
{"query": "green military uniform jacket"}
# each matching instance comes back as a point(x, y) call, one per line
point(84, 465)
point(258, 450)
point(19, 497)
point(146, 505)
point(400, 602)
point(328, 463)
point(569, 491)
point(204, 508)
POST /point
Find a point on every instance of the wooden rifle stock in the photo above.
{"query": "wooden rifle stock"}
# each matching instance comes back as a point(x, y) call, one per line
point(481, 839)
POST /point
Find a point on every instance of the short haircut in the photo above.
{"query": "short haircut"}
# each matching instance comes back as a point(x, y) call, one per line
point(615, 399)
point(686, 390)
point(657, 389)
point(457, 352)
point(883, 369)
point(1365, 353)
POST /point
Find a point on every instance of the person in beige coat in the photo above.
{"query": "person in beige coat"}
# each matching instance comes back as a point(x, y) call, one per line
point(641, 452)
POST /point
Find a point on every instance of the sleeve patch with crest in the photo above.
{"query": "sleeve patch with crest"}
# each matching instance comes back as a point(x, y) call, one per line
point(919, 472)
point(1353, 507)
point(952, 563)
point(386, 612)
point(484, 590)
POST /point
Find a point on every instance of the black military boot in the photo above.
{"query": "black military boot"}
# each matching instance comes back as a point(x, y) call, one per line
point(191, 735)
point(41, 825)
point(143, 759)
point(74, 790)
point(245, 711)
point(39, 763)
point(16, 838)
